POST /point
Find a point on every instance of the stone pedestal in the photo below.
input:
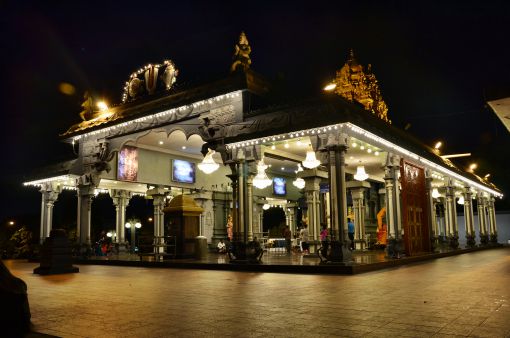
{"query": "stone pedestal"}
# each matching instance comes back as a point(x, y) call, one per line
point(56, 257)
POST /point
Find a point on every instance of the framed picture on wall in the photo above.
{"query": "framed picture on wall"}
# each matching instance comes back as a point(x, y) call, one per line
point(183, 171)
point(127, 165)
point(279, 186)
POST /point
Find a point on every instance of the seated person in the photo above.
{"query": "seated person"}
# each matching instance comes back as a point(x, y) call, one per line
point(222, 248)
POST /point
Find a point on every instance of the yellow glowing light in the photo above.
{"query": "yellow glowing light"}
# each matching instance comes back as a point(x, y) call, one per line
point(11, 223)
point(102, 106)
point(473, 166)
point(330, 87)
point(438, 145)
point(149, 219)
point(487, 176)
point(66, 88)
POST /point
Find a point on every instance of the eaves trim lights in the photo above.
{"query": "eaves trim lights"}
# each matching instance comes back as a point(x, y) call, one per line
point(58, 179)
point(160, 114)
point(379, 141)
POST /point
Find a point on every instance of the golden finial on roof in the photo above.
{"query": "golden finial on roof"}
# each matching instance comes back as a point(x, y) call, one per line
point(87, 105)
point(242, 54)
point(355, 84)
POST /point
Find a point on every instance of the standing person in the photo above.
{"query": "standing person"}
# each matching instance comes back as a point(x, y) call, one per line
point(324, 238)
point(287, 235)
point(304, 239)
point(350, 229)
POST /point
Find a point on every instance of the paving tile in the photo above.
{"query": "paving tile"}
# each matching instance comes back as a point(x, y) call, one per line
point(413, 301)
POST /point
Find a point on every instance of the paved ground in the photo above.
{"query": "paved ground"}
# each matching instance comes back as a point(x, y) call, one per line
point(465, 295)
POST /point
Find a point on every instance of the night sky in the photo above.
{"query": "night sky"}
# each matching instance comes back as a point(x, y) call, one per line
point(436, 64)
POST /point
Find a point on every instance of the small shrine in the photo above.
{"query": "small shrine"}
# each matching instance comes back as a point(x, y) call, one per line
point(183, 218)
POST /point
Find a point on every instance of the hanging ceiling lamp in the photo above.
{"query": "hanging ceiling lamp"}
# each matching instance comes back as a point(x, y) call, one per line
point(266, 206)
point(208, 165)
point(311, 161)
point(435, 193)
point(299, 183)
point(261, 180)
point(461, 200)
point(361, 174)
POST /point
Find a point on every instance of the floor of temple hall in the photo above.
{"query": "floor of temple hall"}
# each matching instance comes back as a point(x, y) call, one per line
point(458, 296)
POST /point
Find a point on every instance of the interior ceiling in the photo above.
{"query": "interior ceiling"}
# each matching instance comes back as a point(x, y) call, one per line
point(281, 157)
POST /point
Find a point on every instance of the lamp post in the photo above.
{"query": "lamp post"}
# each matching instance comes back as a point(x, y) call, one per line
point(132, 225)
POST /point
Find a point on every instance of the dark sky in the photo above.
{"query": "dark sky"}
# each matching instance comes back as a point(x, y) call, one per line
point(435, 61)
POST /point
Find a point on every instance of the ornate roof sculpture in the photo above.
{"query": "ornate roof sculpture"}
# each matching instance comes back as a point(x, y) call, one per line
point(242, 54)
point(355, 84)
point(149, 79)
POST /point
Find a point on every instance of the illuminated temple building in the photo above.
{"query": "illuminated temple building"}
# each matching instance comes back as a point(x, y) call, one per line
point(230, 149)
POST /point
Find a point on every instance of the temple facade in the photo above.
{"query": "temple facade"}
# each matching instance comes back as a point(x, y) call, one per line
point(239, 152)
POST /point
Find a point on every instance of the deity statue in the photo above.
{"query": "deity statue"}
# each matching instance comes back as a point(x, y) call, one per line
point(230, 228)
point(87, 105)
point(382, 228)
point(242, 54)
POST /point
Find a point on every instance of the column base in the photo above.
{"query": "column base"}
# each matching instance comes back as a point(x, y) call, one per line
point(360, 244)
point(337, 253)
point(453, 242)
point(394, 248)
point(434, 244)
point(493, 238)
point(484, 240)
point(245, 253)
point(470, 241)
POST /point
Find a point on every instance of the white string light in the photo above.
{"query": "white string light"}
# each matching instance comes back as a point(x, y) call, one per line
point(160, 114)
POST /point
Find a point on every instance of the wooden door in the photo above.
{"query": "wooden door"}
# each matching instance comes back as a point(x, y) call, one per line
point(414, 209)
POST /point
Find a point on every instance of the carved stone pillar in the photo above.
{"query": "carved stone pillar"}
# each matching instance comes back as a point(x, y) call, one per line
point(221, 210)
point(241, 209)
point(312, 179)
point(451, 216)
point(86, 192)
point(158, 198)
point(249, 198)
point(432, 211)
point(491, 213)
point(49, 195)
point(358, 189)
point(394, 247)
point(335, 147)
point(120, 200)
point(482, 219)
point(468, 218)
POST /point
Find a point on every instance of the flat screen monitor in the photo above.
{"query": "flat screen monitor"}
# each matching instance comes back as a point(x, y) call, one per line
point(279, 186)
point(183, 171)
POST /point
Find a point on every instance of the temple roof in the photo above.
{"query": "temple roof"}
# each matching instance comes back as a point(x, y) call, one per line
point(238, 80)
point(329, 109)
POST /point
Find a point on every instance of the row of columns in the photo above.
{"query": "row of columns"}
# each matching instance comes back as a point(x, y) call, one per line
point(486, 218)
